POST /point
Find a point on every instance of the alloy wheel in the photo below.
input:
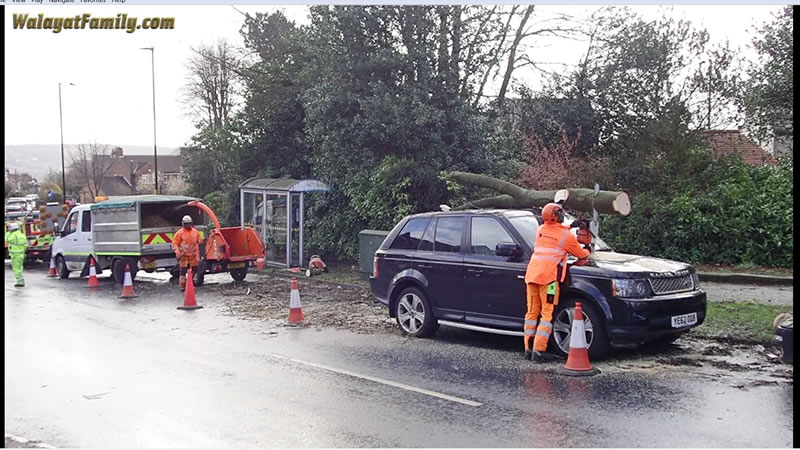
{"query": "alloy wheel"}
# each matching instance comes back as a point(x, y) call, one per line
point(562, 328)
point(411, 313)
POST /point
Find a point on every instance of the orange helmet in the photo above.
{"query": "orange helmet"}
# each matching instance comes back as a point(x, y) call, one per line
point(553, 213)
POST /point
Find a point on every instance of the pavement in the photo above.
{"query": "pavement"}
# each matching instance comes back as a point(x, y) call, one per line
point(84, 368)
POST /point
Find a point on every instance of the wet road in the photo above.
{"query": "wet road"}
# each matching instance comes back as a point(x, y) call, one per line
point(86, 369)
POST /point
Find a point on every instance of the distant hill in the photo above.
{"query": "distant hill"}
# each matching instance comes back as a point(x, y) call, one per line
point(35, 159)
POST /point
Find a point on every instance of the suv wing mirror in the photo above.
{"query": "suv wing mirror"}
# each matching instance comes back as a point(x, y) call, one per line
point(508, 249)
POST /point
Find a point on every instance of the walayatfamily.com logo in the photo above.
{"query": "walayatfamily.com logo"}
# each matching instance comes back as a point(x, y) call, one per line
point(84, 21)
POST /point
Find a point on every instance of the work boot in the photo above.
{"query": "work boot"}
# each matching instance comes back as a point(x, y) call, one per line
point(528, 354)
point(542, 356)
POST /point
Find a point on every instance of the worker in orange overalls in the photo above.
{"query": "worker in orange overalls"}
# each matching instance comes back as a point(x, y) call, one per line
point(546, 267)
point(186, 244)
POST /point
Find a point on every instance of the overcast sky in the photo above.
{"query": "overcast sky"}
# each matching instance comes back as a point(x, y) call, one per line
point(112, 102)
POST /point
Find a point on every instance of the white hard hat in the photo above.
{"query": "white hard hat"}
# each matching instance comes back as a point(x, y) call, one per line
point(187, 219)
point(13, 226)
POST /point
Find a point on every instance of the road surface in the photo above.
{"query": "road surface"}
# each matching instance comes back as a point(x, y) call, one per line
point(87, 369)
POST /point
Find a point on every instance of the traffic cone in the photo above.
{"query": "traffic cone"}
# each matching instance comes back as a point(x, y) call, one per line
point(295, 311)
point(260, 263)
point(189, 302)
point(93, 281)
point(127, 285)
point(52, 272)
point(578, 359)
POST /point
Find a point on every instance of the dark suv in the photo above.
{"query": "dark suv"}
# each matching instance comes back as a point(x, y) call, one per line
point(466, 269)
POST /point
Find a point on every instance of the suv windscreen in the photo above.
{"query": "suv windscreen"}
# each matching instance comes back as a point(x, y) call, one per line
point(527, 226)
point(486, 234)
point(409, 237)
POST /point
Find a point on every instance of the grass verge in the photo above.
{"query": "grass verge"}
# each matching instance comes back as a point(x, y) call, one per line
point(741, 322)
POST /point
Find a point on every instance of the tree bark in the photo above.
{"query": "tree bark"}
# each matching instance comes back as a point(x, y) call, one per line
point(579, 199)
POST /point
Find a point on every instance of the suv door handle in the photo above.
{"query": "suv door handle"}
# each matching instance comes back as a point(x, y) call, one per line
point(425, 266)
point(477, 272)
point(521, 277)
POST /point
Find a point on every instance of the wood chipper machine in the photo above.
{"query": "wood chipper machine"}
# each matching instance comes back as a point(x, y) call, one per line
point(229, 249)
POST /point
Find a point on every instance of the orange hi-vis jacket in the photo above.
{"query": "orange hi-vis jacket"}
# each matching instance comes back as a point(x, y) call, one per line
point(553, 243)
point(186, 244)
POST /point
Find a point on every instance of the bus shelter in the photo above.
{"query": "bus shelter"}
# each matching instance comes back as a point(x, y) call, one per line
point(275, 208)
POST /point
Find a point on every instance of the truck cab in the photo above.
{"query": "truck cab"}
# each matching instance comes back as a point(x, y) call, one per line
point(73, 246)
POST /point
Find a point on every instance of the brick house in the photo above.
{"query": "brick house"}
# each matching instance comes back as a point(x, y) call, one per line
point(138, 169)
point(727, 142)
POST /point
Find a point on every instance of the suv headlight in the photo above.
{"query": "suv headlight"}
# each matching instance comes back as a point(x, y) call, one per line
point(627, 288)
point(696, 281)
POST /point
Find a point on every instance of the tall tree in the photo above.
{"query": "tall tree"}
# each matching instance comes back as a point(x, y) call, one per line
point(768, 100)
point(91, 162)
point(210, 87)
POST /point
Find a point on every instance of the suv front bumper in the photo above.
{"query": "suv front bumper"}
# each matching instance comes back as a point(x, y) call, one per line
point(635, 321)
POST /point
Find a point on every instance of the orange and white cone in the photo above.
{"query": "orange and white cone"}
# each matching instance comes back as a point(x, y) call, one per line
point(578, 359)
point(189, 301)
point(127, 284)
point(295, 311)
point(93, 281)
point(52, 272)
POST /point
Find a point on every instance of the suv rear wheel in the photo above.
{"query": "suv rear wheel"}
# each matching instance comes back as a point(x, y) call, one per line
point(593, 324)
point(414, 313)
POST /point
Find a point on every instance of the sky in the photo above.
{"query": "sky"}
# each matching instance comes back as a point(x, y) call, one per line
point(112, 100)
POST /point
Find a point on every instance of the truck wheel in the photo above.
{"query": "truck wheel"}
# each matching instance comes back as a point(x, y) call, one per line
point(239, 274)
point(61, 267)
point(200, 276)
point(118, 270)
point(594, 327)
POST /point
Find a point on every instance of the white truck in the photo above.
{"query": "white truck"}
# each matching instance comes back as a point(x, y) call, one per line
point(134, 230)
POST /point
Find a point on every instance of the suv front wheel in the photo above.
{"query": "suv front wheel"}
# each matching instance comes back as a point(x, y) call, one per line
point(593, 325)
point(414, 313)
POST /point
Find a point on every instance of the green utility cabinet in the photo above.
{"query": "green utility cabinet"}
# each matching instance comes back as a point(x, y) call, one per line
point(368, 242)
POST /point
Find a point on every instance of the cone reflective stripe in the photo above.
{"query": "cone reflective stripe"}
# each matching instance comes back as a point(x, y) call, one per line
point(189, 301)
point(295, 310)
point(578, 359)
point(52, 272)
point(93, 281)
point(127, 285)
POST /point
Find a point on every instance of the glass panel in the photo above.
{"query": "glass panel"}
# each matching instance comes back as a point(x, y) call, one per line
point(86, 223)
point(486, 234)
point(275, 228)
point(427, 238)
point(448, 234)
point(409, 238)
point(248, 213)
point(294, 251)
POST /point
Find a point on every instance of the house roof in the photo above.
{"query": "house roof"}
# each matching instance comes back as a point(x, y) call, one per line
point(727, 142)
point(116, 185)
point(166, 163)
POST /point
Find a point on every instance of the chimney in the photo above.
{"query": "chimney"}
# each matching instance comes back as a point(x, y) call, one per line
point(116, 152)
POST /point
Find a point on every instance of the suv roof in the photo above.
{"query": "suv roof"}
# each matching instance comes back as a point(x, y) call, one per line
point(493, 212)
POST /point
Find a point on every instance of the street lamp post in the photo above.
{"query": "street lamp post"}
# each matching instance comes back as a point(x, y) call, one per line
point(155, 148)
point(61, 123)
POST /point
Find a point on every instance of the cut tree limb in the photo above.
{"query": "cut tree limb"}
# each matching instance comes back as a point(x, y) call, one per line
point(579, 199)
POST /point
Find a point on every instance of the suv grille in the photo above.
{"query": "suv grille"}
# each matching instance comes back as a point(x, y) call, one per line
point(670, 284)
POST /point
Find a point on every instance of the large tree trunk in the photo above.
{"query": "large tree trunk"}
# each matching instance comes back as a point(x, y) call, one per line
point(606, 202)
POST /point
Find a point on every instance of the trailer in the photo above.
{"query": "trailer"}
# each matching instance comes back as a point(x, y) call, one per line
point(136, 232)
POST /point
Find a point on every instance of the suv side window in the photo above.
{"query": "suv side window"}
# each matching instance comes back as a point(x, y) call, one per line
point(427, 238)
point(486, 234)
point(86, 221)
point(409, 237)
point(448, 234)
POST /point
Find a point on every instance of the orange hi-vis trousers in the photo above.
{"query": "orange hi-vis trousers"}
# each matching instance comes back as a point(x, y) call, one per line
point(539, 318)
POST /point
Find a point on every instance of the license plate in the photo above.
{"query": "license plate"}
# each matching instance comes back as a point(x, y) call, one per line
point(684, 320)
point(150, 265)
point(235, 265)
